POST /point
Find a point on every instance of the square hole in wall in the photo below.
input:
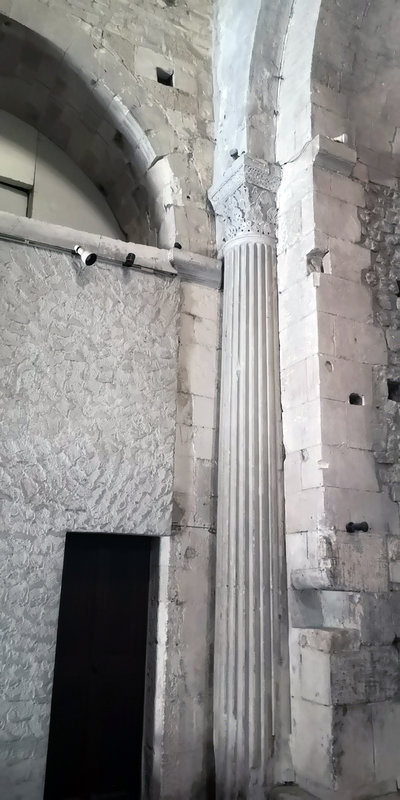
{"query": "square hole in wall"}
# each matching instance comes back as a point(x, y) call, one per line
point(356, 399)
point(165, 76)
point(394, 390)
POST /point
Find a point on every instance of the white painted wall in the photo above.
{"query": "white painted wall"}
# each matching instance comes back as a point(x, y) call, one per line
point(60, 192)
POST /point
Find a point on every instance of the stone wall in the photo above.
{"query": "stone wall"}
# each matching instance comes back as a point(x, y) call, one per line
point(85, 74)
point(89, 366)
point(380, 222)
point(334, 300)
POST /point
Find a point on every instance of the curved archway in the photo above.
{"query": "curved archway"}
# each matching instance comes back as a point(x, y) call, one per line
point(83, 100)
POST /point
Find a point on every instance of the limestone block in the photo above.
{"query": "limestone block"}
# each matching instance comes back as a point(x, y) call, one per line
point(315, 569)
point(360, 562)
point(339, 186)
point(359, 430)
point(203, 443)
point(304, 510)
point(292, 473)
point(360, 342)
point(353, 749)
point(197, 370)
point(307, 213)
point(290, 227)
point(343, 505)
point(326, 97)
point(200, 301)
point(197, 330)
point(350, 468)
point(296, 302)
point(347, 259)
point(326, 333)
point(302, 426)
point(315, 679)
point(348, 562)
point(327, 609)
point(339, 466)
point(386, 732)
point(345, 424)
point(299, 341)
point(333, 422)
point(340, 377)
point(360, 172)
point(294, 385)
point(312, 753)
point(343, 298)
point(330, 641)
point(313, 466)
point(185, 79)
point(297, 181)
point(336, 218)
point(297, 551)
point(184, 408)
point(183, 474)
point(292, 265)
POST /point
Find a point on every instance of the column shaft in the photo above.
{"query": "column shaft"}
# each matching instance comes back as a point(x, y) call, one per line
point(248, 523)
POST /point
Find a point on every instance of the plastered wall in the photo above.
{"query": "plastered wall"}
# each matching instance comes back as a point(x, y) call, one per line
point(56, 189)
point(89, 366)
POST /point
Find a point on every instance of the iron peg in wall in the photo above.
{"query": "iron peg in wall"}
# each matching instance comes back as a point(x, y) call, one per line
point(353, 527)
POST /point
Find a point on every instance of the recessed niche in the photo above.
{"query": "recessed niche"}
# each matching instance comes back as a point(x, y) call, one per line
point(356, 399)
point(398, 289)
point(165, 76)
point(394, 390)
point(329, 366)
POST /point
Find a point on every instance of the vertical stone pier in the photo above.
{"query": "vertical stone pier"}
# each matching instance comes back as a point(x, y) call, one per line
point(248, 640)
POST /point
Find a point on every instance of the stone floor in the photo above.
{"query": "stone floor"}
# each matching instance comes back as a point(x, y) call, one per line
point(295, 793)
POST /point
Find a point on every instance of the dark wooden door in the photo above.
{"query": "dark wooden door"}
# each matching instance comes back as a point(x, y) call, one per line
point(96, 724)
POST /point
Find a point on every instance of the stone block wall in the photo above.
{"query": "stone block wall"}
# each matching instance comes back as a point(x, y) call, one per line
point(187, 571)
point(336, 358)
point(338, 351)
point(381, 234)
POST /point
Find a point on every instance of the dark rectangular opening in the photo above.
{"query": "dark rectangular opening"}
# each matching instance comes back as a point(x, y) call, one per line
point(165, 76)
point(394, 390)
point(96, 724)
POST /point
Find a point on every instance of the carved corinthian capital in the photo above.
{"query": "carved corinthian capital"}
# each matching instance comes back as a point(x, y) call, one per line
point(244, 202)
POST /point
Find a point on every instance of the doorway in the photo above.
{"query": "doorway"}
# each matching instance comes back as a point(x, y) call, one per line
point(96, 723)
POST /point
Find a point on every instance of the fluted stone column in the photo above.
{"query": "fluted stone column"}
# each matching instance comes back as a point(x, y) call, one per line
point(247, 646)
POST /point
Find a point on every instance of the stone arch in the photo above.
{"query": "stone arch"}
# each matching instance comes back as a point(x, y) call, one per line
point(246, 114)
point(85, 100)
